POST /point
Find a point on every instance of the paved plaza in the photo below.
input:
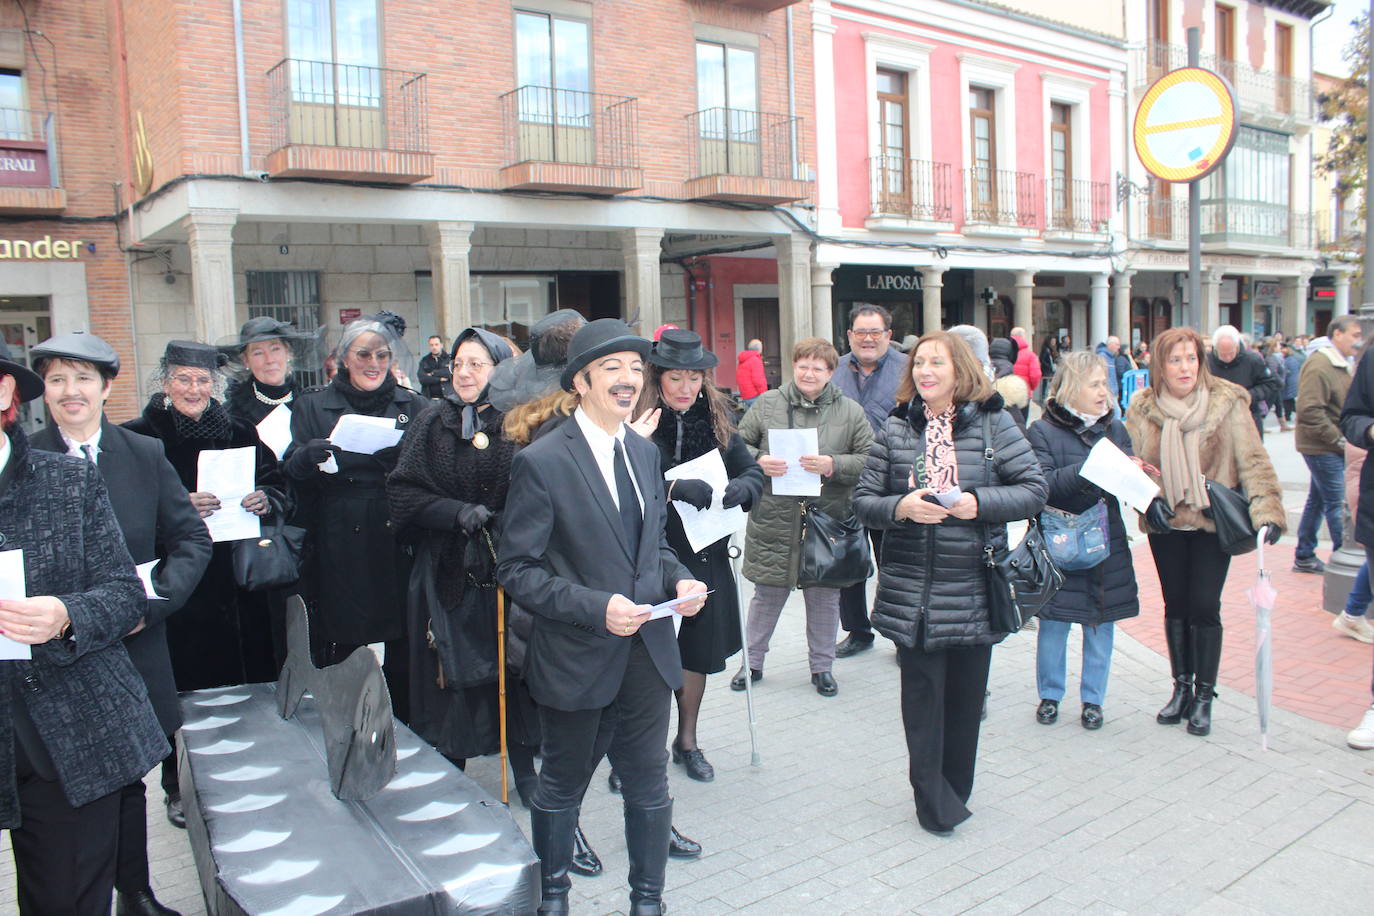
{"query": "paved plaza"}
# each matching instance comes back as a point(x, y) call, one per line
point(1136, 818)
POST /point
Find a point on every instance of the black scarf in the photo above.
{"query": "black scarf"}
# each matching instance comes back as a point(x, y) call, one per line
point(682, 436)
point(369, 403)
point(214, 423)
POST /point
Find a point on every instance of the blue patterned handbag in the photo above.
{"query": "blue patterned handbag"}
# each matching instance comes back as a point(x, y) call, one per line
point(1077, 541)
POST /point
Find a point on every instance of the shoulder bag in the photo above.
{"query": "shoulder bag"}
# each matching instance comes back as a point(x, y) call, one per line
point(270, 561)
point(1077, 542)
point(1023, 580)
point(1229, 510)
point(833, 552)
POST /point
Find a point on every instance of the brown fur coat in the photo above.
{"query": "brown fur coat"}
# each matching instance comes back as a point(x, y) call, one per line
point(1231, 453)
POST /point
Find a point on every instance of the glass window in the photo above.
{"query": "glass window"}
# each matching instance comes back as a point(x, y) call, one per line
point(726, 77)
point(341, 33)
point(507, 304)
point(553, 68)
point(14, 120)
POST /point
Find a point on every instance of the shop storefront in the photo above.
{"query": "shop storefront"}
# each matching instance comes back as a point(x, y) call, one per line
point(897, 289)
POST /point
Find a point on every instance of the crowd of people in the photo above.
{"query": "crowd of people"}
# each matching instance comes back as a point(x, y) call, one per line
point(549, 473)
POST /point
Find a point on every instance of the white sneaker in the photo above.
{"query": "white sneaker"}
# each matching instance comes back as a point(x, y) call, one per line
point(1361, 738)
point(1354, 627)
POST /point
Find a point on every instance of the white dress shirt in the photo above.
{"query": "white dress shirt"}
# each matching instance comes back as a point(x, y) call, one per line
point(603, 450)
point(74, 447)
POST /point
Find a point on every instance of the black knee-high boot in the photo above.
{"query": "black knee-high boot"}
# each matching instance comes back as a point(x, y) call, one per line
point(1206, 643)
point(1181, 664)
point(552, 833)
point(647, 834)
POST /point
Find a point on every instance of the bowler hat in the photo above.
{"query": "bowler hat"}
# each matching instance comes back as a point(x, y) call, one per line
point(264, 328)
point(678, 349)
point(80, 346)
point(193, 353)
point(29, 384)
point(597, 339)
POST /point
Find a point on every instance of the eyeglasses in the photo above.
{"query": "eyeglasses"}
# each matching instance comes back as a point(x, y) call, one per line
point(811, 370)
point(472, 365)
point(871, 335)
point(190, 381)
point(371, 356)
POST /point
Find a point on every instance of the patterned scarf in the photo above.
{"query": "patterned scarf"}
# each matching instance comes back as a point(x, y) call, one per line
point(942, 463)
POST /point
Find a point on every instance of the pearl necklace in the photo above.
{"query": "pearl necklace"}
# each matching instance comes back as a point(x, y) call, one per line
point(274, 402)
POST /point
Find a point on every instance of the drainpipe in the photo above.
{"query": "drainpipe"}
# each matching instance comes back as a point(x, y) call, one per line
point(792, 98)
point(246, 161)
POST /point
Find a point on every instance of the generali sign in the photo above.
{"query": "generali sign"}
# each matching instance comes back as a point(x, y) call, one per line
point(24, 164)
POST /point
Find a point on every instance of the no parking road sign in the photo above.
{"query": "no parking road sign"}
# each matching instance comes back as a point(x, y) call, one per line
point(1185, 124)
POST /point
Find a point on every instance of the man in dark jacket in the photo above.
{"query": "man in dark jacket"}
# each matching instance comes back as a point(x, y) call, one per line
point(435, 372)
point(159, 525)
point(1357, 425)
point(1231, 361)
point(869, 373)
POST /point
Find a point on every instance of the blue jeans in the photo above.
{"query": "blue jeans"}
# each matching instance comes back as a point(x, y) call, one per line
point(1051, 653)
point(1360, 594)
point(1325, 496)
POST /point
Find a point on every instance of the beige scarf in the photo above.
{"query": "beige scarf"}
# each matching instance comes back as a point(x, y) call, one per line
point(1180, 458)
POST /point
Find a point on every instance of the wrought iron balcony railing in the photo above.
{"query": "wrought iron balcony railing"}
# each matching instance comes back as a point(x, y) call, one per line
point(28, 149)
point(1262, 93)
point(319, 103)
point(912, 188)
point(1244, 223)
point(1077, 206)
point(733, 141)
point(543, 124)
point(998, 197)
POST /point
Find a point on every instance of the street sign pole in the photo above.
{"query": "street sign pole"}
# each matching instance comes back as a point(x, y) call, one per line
point(1192, 312)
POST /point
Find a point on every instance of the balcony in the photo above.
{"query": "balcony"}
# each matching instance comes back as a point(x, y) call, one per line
point(1230, 225)
point(1265, 98)
point(745, 157)
point(1077, 207)
point(910, 194)
point(347, 122)
point(566, 140)
point(1340, 231)
point(1001, 202)
point(758, 6)
point(29, 179)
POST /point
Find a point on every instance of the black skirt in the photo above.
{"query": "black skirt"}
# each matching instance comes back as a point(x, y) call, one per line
point(707, 640)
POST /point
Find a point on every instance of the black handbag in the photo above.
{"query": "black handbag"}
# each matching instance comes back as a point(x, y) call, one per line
point(461, 635)
point(270, 561)
point(834, 552)
point(1023, 580)
point(1230, 512)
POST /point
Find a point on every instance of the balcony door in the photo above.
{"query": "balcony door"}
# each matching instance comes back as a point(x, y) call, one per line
point(1226, 42)
point(554, 75)
point(983, 153)
point(334, 77)
point(1061, 166)
point(729, 135)
point(893, 164)
point(1157, 30)
point(1283, 63)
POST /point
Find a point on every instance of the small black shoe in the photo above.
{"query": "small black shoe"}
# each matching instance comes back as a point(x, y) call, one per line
point(737, 682)
point(175, 815)
point(694, 762)
point(1092, 716)
point(1308, 565)
point(679, 847)
point(141, 903)
point(938, 831)
point(825, 684)
point(613, 783)
point(1047, 713)
point(585, 861)
point(853, 644)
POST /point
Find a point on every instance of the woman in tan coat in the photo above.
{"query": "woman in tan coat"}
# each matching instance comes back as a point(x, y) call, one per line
point(1194, 427)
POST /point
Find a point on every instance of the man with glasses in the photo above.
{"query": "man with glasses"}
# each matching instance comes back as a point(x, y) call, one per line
point(869, 373)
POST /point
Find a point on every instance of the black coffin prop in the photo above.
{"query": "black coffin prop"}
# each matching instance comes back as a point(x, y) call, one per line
point(271, 839)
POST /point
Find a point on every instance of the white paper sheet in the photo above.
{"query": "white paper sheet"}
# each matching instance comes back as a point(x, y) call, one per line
point(145, 572)
point(670, 606)
point(228, 473)
point(704, 527)
point(12, 586)
point(365, 435)
point(1113, 470)
point(790, 445)
point(275, 430)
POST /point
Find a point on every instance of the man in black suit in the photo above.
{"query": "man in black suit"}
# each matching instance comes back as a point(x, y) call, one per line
point(436, 374)
point(158, 522)
point(584, 549)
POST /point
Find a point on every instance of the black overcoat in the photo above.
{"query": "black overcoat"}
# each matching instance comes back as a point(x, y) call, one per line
point(1357, 416)
point(1107, 592)
point(222, 635)
point(356, 572)
point(158, 523)
point(85, 699)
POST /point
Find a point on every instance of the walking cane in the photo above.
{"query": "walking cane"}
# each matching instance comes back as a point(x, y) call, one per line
point(736, 553)
point(501, 686)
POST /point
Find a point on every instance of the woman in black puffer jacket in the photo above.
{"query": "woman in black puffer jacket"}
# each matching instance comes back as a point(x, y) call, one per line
point(1078, 414)
point(932, 589)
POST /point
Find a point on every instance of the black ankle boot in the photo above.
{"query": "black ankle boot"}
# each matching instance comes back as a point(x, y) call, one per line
point(1181, 664)
point(648, 832)
point(585, 861)
point(1206, 645)
point(552, 834)
point(1200, 716)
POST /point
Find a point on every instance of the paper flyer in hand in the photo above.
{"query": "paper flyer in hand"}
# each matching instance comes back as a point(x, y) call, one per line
point(275, 430)
point(365, 435)
point(790, 445)
point(1114, 471)
point(228, 474)
point(145, 572)
point(12, 586)
point(704, 527)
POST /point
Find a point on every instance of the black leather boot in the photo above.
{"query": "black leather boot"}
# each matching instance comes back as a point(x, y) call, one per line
point(585, 861)
point(552, 833)
point(1181, 663)
point(141, 903)
point(1206, 642)
point(647, 834)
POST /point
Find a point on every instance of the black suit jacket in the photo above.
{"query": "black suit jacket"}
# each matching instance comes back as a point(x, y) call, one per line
point(563, 554)
point(158, 522)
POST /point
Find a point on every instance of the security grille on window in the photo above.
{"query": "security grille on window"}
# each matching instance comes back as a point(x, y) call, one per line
point(288, 295)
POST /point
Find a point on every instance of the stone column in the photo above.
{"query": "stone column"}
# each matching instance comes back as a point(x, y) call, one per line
point(210, 237)
point(1097, 314)
point(1210, 314)
point(1120, 322)
point(932, 291)
point(795, 314)
point(1342, 306)
point(641, 248)
point(450, 261)
point(1023, 315)
point(1293, 295)
point(822, 304)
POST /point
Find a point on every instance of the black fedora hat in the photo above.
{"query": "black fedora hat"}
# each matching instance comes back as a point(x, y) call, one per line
point(29, 385)
point(597, 339)
point(679, 349)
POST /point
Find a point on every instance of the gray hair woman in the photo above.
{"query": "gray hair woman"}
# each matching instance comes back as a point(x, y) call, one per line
point(1078, 413)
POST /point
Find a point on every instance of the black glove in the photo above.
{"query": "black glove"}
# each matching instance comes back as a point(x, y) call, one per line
point(1272, 534)
point(1157, 515)
point(695, 493)
point(472, 516)
point(305, 459)
point(739, 492)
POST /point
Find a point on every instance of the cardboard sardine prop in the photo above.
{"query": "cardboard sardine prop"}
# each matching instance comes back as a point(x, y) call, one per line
point(354, 704)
